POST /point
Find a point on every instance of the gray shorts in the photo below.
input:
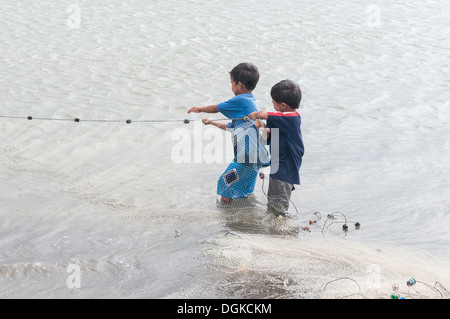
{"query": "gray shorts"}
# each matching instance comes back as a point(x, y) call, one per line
point(279, 195)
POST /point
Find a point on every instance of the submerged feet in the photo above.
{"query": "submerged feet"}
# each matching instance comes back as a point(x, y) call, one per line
point(282, 215)
point(226, 200)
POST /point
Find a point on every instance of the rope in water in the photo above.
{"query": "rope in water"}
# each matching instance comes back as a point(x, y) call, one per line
point(438, 288)
point(128, 121)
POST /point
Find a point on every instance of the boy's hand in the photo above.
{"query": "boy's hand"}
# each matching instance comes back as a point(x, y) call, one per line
point(258, 115)
point(207, 121)
point(195, 109)
point(260, 124)
point(253, 115)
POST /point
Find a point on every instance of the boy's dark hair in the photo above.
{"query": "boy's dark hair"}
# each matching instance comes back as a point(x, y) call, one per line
point(246, 73)
point(288, 92)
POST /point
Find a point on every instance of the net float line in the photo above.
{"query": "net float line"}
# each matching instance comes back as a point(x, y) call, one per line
point(128, 121)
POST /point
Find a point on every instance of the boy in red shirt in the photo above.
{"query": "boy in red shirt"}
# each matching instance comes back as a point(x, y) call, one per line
point(286, 143)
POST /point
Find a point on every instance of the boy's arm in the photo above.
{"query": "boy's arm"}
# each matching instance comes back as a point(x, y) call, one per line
point(258, 115)
point(222, 126)
point(205, 109)
point(264, 130)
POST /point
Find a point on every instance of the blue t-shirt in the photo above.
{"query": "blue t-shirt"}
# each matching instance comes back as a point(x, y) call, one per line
point(244, 133)
point(239, 106)
point(286, 139)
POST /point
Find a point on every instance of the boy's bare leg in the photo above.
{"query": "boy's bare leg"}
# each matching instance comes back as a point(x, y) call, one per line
point(226, 199)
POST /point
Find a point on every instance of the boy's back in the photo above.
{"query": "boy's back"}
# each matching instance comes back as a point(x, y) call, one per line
point(244, 132)
point(239, 106)
point(288, 144)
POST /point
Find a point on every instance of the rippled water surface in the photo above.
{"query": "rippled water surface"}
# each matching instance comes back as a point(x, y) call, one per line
point(114, 199)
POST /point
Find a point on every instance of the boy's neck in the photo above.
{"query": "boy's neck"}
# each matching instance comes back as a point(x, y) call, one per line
point(283, 107)
point(289, 109)
point(243, 92)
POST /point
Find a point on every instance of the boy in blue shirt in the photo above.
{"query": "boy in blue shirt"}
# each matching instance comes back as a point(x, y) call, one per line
point(238, 180)
point(285, 168)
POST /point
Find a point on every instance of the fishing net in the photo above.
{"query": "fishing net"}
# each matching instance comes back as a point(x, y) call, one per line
point(250, 154)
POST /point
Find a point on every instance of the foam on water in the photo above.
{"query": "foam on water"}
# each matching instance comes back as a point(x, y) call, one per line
point(278, 267)
point(110, 197)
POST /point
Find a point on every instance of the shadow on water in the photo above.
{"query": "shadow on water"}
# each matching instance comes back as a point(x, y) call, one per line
point(265, 256)
point(244, 217)
point(250, 216)
point(255, 285)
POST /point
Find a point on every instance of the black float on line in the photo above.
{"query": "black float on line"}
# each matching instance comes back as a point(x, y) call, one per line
point(128, 121)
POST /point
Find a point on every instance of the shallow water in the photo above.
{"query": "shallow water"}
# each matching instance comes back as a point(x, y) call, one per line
point(114, 198)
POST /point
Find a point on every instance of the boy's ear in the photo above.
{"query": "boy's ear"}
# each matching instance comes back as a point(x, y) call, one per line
point(285, 106)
